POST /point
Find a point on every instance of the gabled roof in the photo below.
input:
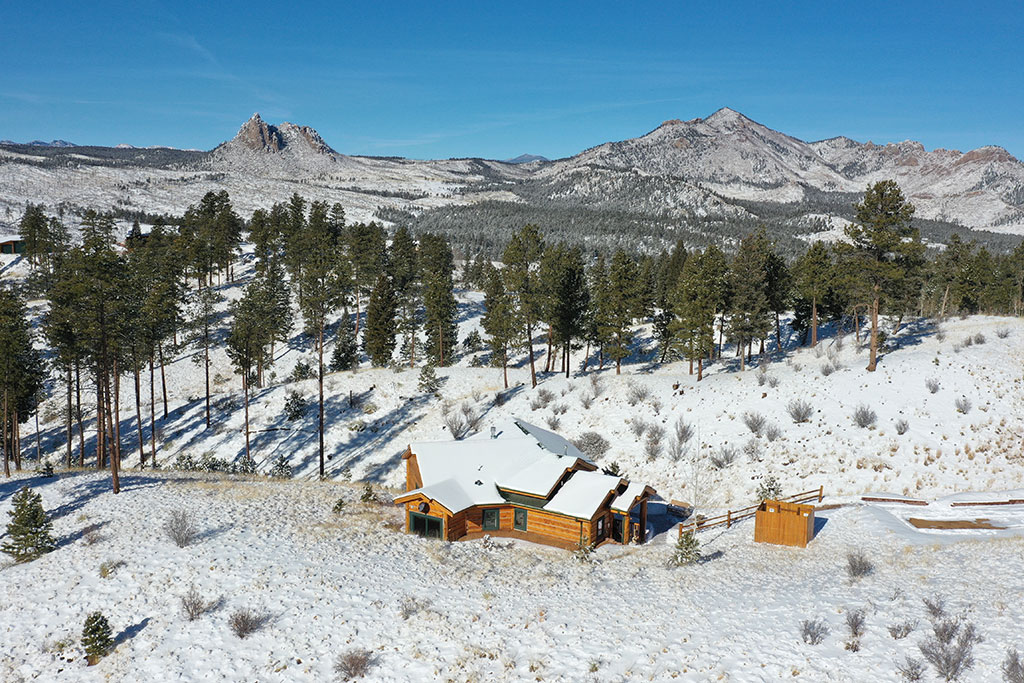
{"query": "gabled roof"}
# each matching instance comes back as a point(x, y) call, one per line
point(583, 494)
point(627, 499)
point(519, 458)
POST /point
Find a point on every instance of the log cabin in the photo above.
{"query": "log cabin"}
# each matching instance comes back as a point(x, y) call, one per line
point(519, 481)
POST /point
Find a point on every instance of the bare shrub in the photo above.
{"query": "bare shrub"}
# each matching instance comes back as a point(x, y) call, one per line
point(592, 444)
point(940, 335)
point(813, 631)
point(638, 427)
point(1003, 333)
point(979, 338)
point(855, 622)
point(108, 568)
point(967, 341)
point(772, 432)
point(935, 606)
point(244, 621)
point(858, 565)
point(683, 431)
point(902, 426)
point(638, 393)
point(963, 405)
point(456, 424)
point(655, 432)
point(725, 456)
point(553, 422)
point(411, 606)
point(652, 448)
point(545, 397)
point(193, 604)
point(655, 405)
point(586, 400)
point(353, 664)
point(181, 528)
point(864, 417)
point(596, 385)
point(911, 669)
point(536, 404)
point(1013, 667)
point(901, 630)
point(773, 381)
point(755, 422)
point(827, 369)
point(932, 385)
point(559, 409)
point(950, 650)
point(752, 449)
point(675, 449)
point(800, 410)
point(472, 417)
point(762, 378)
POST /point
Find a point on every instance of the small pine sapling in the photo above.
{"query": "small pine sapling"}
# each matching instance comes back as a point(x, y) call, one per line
point(281, 468)
point(429, 383)
point(96, 637)
point(770, 489)
point(687, 550)
point(29, 531)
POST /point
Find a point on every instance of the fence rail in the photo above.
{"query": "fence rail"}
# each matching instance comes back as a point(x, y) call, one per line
point(733, 516)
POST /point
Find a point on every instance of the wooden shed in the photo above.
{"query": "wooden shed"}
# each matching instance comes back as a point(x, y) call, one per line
point(784, 523)
point(11, 244)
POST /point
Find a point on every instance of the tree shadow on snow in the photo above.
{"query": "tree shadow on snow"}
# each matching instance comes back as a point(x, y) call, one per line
point(130, 632)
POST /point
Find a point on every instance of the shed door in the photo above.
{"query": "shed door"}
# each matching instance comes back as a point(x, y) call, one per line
point(425, 525)
point(617, 529)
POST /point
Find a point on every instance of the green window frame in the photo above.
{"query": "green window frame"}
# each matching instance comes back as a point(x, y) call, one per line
point(519, 519)
point(491, 519)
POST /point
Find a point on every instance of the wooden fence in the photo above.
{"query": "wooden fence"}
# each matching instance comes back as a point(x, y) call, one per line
point(733, 516)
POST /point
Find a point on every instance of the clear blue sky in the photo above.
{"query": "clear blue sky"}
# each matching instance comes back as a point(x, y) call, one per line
point(448, 79)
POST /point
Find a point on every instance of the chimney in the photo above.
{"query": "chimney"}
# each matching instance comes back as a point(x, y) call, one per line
point(494, 432)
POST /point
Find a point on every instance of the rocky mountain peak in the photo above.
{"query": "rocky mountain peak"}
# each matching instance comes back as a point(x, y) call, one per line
point(259, 136)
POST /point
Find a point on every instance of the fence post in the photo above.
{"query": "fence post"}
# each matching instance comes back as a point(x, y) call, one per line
point(821, 491)
point(728, 519)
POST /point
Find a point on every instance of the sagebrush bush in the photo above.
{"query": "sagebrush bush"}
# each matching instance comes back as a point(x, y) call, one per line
point(813, 631)
point(353, 664)
point(1003, 332)
point(800, 410)
point(902, 426)
point(910, 669)
point(858, 565)
point(553, 422)
point(638, 393)
point(855, 622)
point(932, 385)
point(864, 417)
point(683, 431)
point(950, 649)
point(586, 400)
point(935, 606)
point(725, 456)
point(902, 629)
point(244, 622)
point(979, 338)
point(963, 405)
point(772, 432)
point(754, 421)
point(181, 528)
point(592, 444)
point(638, 427)
point(193, 604)
point(1013, 667)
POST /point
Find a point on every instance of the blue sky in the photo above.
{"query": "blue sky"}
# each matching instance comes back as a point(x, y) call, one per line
point(450, 79)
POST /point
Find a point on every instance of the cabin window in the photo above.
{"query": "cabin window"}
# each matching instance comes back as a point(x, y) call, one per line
point(519, 519)
point(425, 525)
point(491, 519)
point(600, 527)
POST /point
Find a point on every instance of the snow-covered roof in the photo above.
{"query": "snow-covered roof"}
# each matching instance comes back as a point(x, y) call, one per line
point(9, 237)
point(519, 457)
point(625, 500)
point(583, 494)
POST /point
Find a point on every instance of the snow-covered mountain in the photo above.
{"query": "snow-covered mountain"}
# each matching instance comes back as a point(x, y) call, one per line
point(682, 171)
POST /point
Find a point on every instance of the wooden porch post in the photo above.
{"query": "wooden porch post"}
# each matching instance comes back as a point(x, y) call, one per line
point(643, 521)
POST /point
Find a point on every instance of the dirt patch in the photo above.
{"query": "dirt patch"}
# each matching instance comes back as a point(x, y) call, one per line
point(952, 524)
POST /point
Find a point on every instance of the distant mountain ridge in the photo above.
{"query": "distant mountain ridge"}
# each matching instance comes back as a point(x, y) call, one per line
point(699, 176)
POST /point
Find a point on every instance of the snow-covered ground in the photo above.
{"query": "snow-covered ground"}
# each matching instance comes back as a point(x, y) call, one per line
point(328, 583)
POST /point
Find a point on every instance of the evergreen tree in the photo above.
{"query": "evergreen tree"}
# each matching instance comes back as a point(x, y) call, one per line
point(619, 300)
point(695, 307)
point(598, 328)
point(29, 533)
point(522, 260)
point(812, 279)
point(33, 230)
point(367, 254)
point(887, 251)
point(429, 382)
point(200, 323)
point(320, 294)
point(749, 319)
point(246, 341)
point(499, 318)
point(779, 285)
point(440, 309)
point(96, 637)
point(21, 374)
point(379, 336)
point(570, 299)
point(687, 550)
point(346, 350)
point(405, 270)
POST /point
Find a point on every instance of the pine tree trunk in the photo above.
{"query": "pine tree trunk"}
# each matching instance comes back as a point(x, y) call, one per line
point(568, 358)
point(163, 376)
point(357, 311)
point(100, 426)
point(116, 419)
point(39, 449)
point(945, 296)
point(16, 429)
point(547, 358)
point(245, 392)
point(814, 321)
point(138, 412)
point(69, 416)
point(778, 333)
point(691, 364)
point(320, 348)
point(3, 427)
point(700, 368)
point(504, 363)
point(152, 410)
point(586, 357)
point(78, 415)
point(873, 362)
point(529, 341)
point(206, 366)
